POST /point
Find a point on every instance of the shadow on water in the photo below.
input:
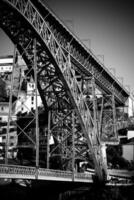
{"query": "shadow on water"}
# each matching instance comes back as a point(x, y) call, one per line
point(14, 192)
point(101, 193)
point(61, 191)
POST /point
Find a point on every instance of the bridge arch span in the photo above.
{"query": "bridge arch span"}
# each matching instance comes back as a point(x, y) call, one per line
point(23, 23)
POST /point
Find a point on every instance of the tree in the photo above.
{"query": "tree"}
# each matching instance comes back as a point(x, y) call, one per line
point(114, 156)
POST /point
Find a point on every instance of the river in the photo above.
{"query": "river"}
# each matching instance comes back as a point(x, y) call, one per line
point(59, 191)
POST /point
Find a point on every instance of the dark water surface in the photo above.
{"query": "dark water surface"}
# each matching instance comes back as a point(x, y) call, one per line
point(58, 191)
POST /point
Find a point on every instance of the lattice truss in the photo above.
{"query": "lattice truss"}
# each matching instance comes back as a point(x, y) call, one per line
point(73, 115)
point(60, 133)
point(103, 111)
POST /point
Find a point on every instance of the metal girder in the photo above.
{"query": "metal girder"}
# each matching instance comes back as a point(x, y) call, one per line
point(26, 122)
point(103, 111)
point(82, 57)
point(10, 108)
point(74, 123)
point(108, 127)
point(60, 66)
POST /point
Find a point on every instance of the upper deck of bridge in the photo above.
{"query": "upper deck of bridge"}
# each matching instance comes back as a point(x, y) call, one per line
point(105, 80)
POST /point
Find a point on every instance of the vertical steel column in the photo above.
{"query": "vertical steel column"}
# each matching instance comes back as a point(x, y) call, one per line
point(100, 118)
point(101, 150)
point(48, 138)
point(10, 106)
point(36, 110)
point(96, 139)
point(104, 161)
point(114, 115)
point(95, 108)
point(73, 146)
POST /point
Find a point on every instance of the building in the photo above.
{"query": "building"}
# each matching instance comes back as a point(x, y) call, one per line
point(26, 100)
point(130, 134)
point(13, 138)
point(6, 64)
point(128, 150)
point(6, 67)
point(130, 106)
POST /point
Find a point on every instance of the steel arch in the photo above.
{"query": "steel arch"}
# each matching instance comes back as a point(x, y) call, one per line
point(37, 27)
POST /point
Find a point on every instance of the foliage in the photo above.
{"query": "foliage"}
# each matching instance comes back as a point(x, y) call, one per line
point(114, 156)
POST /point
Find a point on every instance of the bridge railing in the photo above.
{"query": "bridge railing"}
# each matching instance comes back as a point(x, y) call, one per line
point(27, 172)
point(12, 171)
point(54, 173)
point(83, 175)
point(17, 170)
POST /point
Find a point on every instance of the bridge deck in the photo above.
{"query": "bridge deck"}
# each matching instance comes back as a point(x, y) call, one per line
point(26, 172)
point(104, 78)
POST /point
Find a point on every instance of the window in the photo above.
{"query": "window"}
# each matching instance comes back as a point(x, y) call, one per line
point(4, 130)
point(11, 144)
point(13, 129)
point(2, 108)
point(4, 137)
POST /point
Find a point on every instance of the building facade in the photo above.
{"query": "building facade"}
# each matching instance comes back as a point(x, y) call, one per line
point(24, 101)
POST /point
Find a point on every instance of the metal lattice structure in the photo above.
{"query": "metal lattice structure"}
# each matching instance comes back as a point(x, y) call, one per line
point(68, 77)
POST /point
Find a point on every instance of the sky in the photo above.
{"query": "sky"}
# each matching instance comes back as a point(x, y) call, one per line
point(106, 26)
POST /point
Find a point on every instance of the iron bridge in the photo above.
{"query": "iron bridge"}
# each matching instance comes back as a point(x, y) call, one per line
point(81, 98)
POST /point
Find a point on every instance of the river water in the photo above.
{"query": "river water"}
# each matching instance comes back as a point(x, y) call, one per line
point(55, 191)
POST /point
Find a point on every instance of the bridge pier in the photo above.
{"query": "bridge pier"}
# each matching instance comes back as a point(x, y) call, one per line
point(104, 160)
point(103, 150)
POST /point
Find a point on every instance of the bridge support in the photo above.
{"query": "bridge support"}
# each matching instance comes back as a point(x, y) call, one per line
point(73, 146)
point(36, 106)
point(10, 104)
point(104, 160)
point(48, 139)
point(95, 102)
point(59, 89)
